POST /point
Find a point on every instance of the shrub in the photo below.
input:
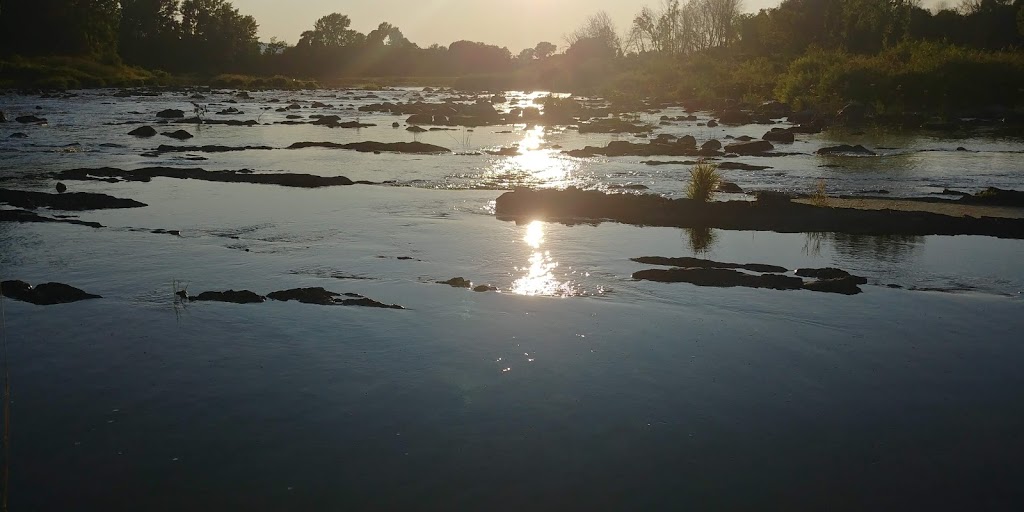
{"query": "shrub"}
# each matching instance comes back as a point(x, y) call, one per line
point(704, 178)
point(820, 197)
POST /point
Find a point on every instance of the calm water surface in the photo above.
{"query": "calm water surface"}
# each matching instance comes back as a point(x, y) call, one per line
point(574, 387)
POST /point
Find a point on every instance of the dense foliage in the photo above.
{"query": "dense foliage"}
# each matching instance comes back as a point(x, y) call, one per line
point(892, 55)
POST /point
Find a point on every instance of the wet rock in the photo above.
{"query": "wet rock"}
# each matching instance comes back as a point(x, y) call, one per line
point(60, 187)
point(779, 135)
point(293, 116)
point(143, 131)
point(18, 135)
point(728, 187)
point(842, 285)
point(30, 120)
point(230, 111)
point(232, 296)
point(71, 202)
point(508, 151)
point(996, 197)
point(163, 148)
point(614, 125)
point(395, 125)
point(171, 113)
point(3, 119)
point(711, 145)
point(846, 149)
point(420, 119)
point(46, 294)
point(749, 148)
point(740, 166)
point(774, 110)
point(23, 216)
point(773, 198)
point(457, 282)
point(712, 124)
point(146, 174)
point(415, 129)
point(485, 288)
point(687, 262)
point(720, 278)
point(631, 186)
point(829, 273)
point(178, 134)
point(324, 297)
point(734, 117)
point(687, 141)
point(418, 148)
point(803, 117)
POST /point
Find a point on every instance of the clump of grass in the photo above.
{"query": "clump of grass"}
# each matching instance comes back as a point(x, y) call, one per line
point(704, 178)
point(820, 197)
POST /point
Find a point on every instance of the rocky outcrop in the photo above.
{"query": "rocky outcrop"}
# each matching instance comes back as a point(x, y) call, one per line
point(574, 205)
point(996, 197)
point(232, 296)
point(170, 113)
point(779, 135)
point(728, 187)
point(317, 296)
point(457, 282)
point(841, 285)
point(164, 148)
point(417, 148)
point(740, 166)
point(30, 120)
point(830, 273)
point(178, 134)
point(146, 174)
point(143, 132)
point(23, 216)
point(46, 294)
point(719, 278)
point(614, 125)
point(702, 263)
point(754, 147)
point(657, 147)
point(77, 201)
point(846, 149)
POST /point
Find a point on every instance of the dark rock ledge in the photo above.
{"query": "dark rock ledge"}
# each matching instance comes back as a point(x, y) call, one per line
point(304, 295)
point(574, 205)
point(148, 173)
point(46, 294)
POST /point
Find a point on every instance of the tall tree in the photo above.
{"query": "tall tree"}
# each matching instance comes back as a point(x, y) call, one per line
point(72, 27)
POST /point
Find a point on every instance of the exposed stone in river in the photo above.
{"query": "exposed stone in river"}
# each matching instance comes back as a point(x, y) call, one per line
point(687, 262)
point(76, 201)
point(418, 148)
point(146, 174)
point(46, 294)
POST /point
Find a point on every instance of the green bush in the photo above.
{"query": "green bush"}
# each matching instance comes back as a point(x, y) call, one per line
point(704, 178)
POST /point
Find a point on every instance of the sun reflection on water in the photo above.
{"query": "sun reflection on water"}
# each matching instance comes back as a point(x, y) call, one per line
point(539, 278)
point(534, 165)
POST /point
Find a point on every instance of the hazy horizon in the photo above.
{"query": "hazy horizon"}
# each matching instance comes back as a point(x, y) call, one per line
point(426, 22)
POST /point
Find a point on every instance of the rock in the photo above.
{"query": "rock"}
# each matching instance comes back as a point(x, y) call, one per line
point(750, 148)
point(996, 197)
point(457, 282)
point(18, 135)
point(61, 188)
point(711, 145)
point(30, 120)
point(417, 148)
point(842, 285)
point(46, 294)
point(687, 141)
point(171, 113)
point(743, 138)
point(146, 174)
point(720, 278)
point(143, 131)
point(631, 186)
point(803, 117)
point(740, 166)
point(961, 148)
point(70, 202)
point(846, 149)
point(485, 288)
point(728, 187)
point(3, 119)
point(773, 198)
point(734, 117)
point(178, 134)
point(779, 135)
point(306, 296)
point(420, 119)
point(232, 296)
point(614, 125)
point(293, 116)
point(23, 216)
point(415, 129)
point(163, 148)
point(829, 273)
point(687, 262)
point(774, 110)
point(395, 125)
point(230, 111)
point(712, 124)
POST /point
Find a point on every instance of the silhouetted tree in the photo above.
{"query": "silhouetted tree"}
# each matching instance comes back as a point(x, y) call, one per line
point(60, 27)
point(544, 50)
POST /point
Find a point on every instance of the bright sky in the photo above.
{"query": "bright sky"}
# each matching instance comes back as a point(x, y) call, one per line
point(516, 24)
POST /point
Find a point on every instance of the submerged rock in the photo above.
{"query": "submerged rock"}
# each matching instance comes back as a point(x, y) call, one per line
point(842, 285)
point(846, 149)
point(232, 296)
point(457, 282)
point(327, 298)
point(146, 174)
point(830, 273)
point(30, 120)
point(720, 278)
point(27, 216)
point(418, 148)
point(73, 202)
point(143, 131)
point(178, 134)
point(687, 262)
point(46, 294)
